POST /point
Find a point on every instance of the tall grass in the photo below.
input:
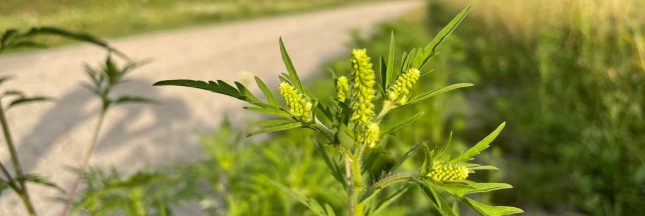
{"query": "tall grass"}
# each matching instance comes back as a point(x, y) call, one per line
point(570, 78)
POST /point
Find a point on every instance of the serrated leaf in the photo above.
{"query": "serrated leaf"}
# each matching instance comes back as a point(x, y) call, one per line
point(310, 203)
point(267, 93)
point(489, 210)
point(281, 127)
point(220, 87)
point(400, 123)
point(269, 111)
point(480, 146)
point(436, 92)
point(26, 100)
point(293, 75)
point(80, 36)
point(423, 55)
point(462, 188)
point(38, 180)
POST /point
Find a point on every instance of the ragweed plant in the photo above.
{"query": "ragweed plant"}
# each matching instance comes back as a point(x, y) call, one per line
point(13, 39)
point(350, 122)
point(103, 80)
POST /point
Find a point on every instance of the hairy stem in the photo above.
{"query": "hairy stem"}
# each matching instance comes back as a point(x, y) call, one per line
point(349, 188)
point(357, 184)
point(84, 163)
point(24, 194)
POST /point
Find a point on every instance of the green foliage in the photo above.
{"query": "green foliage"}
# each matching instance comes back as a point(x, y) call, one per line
point(571, 82)
point(354, 133)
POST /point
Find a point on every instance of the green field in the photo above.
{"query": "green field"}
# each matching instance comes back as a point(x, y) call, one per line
point(124, 17)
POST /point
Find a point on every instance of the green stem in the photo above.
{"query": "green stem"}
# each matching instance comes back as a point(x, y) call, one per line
point(357, 184)
point(319, 126)
point(387, 106)
point(24, 194)
point(394, 178)
point(350, 186)
point(10, 180)
point(85, 162)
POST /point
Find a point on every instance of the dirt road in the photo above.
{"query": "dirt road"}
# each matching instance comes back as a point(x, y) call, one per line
point(52, 136)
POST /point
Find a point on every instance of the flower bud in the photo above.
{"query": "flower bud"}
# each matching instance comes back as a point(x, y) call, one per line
point(299, 107)
point(448, 172)
point(342, 88)
point(400, 90)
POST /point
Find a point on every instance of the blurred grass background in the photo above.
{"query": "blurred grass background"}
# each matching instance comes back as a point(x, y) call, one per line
point(124, 17)
point(568, 76)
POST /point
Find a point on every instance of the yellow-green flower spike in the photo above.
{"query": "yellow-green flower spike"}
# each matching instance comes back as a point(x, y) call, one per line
point(299, 107)
point(448, 172)
point(342, 88)
point(371, 135)
point(400, 90)
point(362, 91)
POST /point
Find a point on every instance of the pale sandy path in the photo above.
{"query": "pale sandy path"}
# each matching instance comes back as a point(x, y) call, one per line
point(51, 136)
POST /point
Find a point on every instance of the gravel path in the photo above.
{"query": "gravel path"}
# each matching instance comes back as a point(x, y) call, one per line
point(52, 136)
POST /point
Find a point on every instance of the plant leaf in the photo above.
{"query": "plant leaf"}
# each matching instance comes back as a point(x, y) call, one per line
point(331, 164)
point(423, 55)
point(267, 93)
point(293, 76)
point(436, 92)
point(26, 100)
point(437, 201)
point(405, 156)
point(389, 199)
point(273, 122)
point(133, 99)
point(39, 180)
point(400, 123)
point(480, 146)
point(80, 36)
point(281, 127)
point(489, 210)
point(269, 111)
point(390, 73)
point(461, 188)
point(312, 204)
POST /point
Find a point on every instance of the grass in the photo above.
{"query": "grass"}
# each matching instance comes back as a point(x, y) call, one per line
point(124, 17)
point(569, 78)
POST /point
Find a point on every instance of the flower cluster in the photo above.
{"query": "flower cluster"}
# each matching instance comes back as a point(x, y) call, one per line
point(342, 88)
point(370, 135)
point(362, 91)
point(400, 90)
point(448, 172)
point(299, 107)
